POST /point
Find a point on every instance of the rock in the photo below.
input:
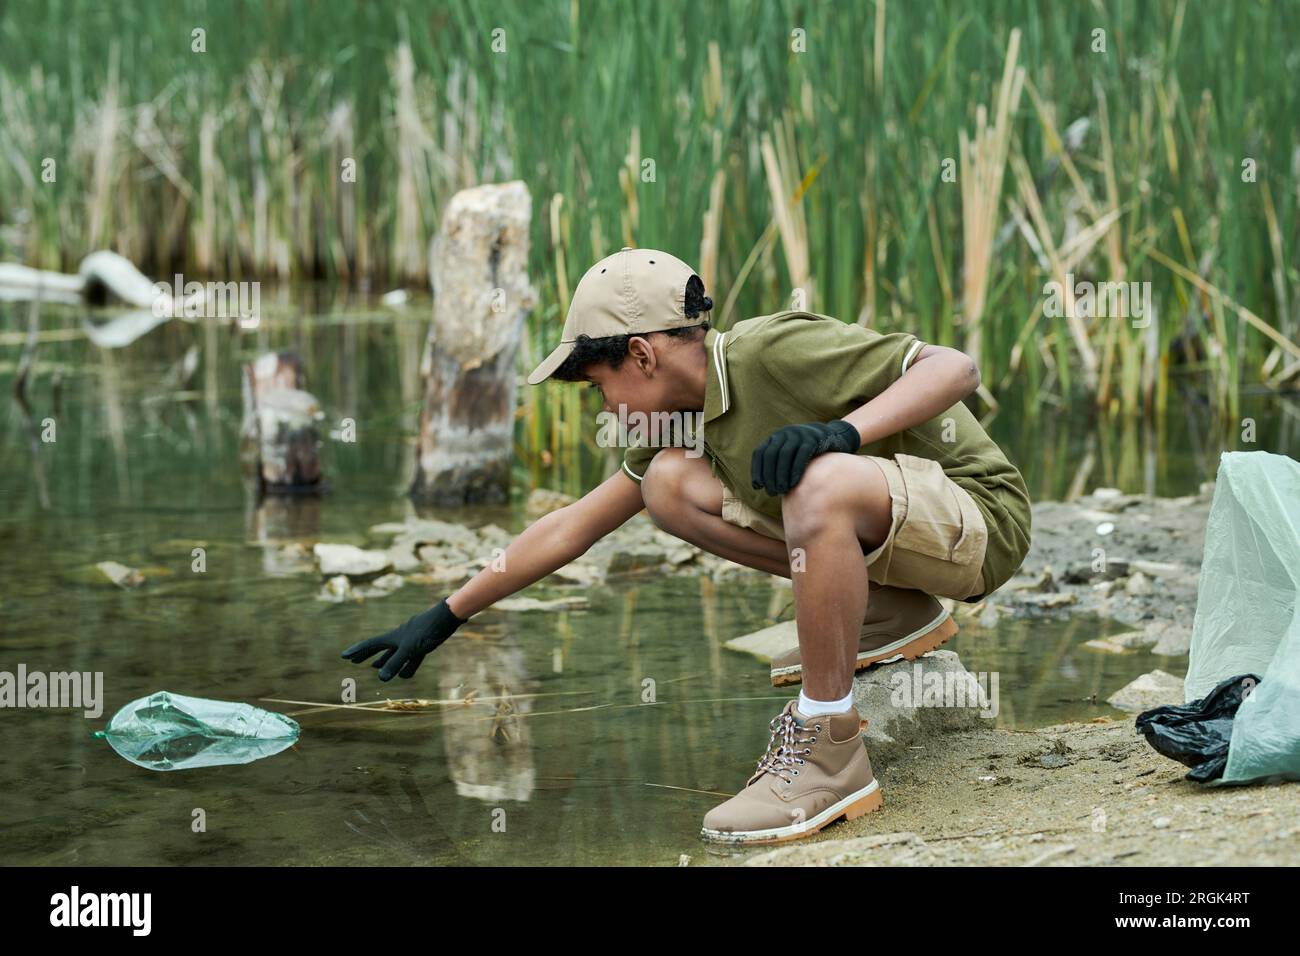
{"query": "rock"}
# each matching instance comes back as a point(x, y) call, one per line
point(492, 536)
point(1083, 572)
point(1060, 599)
point(1170, 639)
point(533, 604)
point(1160, 569)
point(1150, 690)
point(337, 590)
point(639, 546)
point(767, 643)
point(543, 501)
point(120, 574)
point(347, 559)
point(914, 703)
point(1108, 645)
point(1135, 639)
point(581, 572)
point(1161, 823)
point(287, 559)
point(402, 558)
point(442, 558)
point(1138, 584)
point(442, 577)
point(382, 586)
point(428, 531)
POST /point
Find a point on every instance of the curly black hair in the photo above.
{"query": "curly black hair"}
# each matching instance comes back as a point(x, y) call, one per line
point(612, 349)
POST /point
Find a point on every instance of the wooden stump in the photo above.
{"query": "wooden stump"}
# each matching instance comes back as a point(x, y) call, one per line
point(478, 266)
point(279, 441)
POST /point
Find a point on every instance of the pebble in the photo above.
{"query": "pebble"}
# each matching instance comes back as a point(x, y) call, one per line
point(1138, 584)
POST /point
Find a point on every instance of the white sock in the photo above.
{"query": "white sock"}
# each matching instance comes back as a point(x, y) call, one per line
point(813, 708)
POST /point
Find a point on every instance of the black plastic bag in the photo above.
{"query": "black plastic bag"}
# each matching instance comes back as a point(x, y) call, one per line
point(1197, 733)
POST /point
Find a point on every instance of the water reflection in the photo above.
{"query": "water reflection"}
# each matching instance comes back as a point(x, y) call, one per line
point(600, 735)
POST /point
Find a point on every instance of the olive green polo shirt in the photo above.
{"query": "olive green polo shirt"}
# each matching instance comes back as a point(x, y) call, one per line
point(794, 367)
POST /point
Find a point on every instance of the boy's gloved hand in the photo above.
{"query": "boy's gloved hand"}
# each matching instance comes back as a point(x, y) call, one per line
point(404, 646)
point(778, 463)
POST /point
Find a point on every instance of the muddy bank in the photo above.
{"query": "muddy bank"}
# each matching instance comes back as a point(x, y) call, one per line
point(1075, 794)
point(1090, 794)
point(1132, 558)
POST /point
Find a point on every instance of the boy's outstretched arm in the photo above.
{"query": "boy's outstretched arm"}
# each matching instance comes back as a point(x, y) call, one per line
point(549, 543)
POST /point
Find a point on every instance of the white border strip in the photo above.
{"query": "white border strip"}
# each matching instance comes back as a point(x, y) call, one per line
point(907, 359)
point(809, 826)
point(719, 363)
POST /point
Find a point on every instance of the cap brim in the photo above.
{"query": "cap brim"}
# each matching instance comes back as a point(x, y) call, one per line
point(550, 364)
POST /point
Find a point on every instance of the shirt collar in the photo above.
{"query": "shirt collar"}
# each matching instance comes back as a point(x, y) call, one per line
point(717, 388)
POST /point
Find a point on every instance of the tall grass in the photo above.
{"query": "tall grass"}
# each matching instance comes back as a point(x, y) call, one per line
point(774, 170)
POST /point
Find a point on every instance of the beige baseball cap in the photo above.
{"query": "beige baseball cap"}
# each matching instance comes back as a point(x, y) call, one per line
point(633, 291)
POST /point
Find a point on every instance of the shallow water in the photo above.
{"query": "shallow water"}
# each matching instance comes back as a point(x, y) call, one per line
point(587, 771)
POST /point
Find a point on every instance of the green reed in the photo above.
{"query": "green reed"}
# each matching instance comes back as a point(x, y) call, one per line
point(807, 178)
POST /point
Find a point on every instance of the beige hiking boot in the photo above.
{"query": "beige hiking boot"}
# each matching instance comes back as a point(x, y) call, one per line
point(815, 771)
point(901, 625)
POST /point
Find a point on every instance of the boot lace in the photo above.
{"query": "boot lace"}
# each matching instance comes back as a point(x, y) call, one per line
point(780, 758)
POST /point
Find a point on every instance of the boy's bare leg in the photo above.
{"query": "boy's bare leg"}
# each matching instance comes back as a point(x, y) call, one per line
point(840, 505)
point(685, 500)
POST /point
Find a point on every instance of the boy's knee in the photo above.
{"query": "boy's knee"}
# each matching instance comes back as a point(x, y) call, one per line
point(830, 484)
point(663, 483)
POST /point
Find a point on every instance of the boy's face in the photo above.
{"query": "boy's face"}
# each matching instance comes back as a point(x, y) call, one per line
point(638, 383)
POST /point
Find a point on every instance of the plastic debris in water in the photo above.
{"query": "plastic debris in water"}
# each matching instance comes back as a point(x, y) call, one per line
point(167, 731)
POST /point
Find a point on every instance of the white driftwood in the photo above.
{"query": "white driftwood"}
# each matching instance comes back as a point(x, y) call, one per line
point(102, 278)
point(479, 272)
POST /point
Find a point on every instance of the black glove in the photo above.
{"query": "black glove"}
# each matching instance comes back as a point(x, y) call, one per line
point(778, 463)
point(404, 647)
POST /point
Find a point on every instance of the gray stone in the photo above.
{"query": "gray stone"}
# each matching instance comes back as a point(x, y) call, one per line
point(120, 574)
point(914, 703)
point(1138, 584)
point(347, 559)
point(1107, 645)
point(1161, 569)
point(767, 643)
point(1150, 690)
point(543, 501)
point(573, 603)
point(337, 590)
point(1049, 600)
point(1171, 640)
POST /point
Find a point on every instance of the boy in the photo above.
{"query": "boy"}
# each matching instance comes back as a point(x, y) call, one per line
point(838, 457)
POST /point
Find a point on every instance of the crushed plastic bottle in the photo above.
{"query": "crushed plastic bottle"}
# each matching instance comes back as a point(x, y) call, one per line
point(166, 731)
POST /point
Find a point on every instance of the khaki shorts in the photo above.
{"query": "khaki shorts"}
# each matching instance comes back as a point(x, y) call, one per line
point(937, 537)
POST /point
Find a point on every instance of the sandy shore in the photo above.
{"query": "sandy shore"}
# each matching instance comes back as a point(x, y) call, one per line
point(1072, 794)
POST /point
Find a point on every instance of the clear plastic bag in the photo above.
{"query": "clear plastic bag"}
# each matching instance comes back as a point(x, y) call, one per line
point(1246, 611)
point(166, 731)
